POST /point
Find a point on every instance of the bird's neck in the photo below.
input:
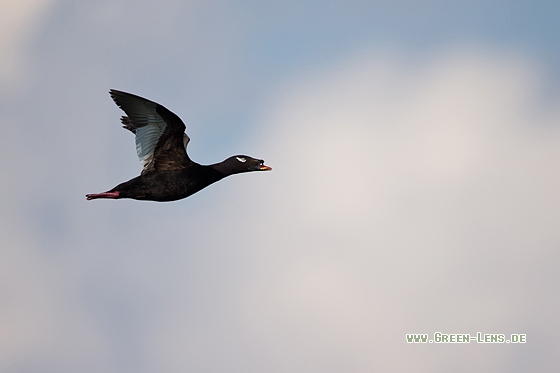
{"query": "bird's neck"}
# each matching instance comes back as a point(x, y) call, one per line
point(224, 169)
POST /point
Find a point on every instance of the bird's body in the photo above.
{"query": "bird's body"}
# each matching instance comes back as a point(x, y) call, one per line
point(168, 173)
point(168, 185)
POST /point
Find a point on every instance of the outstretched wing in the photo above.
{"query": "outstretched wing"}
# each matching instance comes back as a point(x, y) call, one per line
point(160, 138)
point(128, 125)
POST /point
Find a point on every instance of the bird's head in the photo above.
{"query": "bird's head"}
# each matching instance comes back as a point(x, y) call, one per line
point(241, 163)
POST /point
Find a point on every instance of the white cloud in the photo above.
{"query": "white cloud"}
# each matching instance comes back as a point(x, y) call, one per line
point(404, 199)
point(19, 21)
point(410, 199)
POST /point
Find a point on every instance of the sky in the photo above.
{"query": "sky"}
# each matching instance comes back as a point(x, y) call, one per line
point(415, 151)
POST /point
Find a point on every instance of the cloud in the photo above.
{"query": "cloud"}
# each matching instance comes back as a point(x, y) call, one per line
point(406, 197)
point(409, 198)
point(19, 22)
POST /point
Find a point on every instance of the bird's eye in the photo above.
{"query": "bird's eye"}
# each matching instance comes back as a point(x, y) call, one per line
point(241, 159)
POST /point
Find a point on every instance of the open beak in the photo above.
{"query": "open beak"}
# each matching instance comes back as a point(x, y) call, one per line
point(264, 167)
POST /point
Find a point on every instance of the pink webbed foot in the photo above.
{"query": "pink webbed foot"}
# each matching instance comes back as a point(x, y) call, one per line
point(113, 195)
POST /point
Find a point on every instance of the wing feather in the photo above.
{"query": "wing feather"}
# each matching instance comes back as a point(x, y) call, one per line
point(160, 138)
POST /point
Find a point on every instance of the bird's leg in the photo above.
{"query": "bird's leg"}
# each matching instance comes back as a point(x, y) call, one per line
point(113, 195)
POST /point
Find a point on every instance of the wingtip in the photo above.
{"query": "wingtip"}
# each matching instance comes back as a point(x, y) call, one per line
point(116, 95)
point(116, 92)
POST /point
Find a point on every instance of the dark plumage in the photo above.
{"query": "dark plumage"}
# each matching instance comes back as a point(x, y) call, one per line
point(168, 173)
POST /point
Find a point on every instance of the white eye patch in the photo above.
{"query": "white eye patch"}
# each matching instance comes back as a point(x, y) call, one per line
point(241, 159)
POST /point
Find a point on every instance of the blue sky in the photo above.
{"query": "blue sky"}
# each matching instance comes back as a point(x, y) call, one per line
point(414, 147)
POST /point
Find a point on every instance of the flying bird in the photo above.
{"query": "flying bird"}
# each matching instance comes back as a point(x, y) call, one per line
point(168, 174)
